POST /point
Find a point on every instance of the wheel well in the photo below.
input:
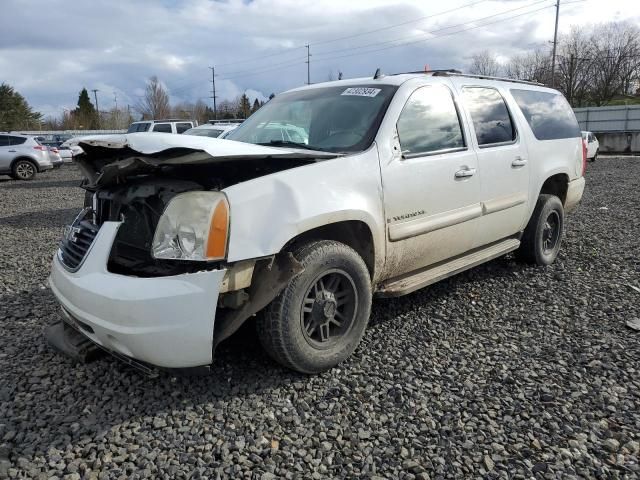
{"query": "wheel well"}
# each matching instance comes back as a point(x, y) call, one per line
point(31, 160)
point(556, 185)
point(354, 233)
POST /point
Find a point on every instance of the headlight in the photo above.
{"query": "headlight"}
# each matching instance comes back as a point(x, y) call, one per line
point(194, 226)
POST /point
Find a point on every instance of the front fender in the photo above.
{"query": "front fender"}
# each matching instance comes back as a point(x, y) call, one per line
point(268, 212)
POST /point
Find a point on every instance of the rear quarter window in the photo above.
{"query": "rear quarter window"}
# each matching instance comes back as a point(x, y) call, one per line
point(17, 140)
point(183, 127)
point(548, 114)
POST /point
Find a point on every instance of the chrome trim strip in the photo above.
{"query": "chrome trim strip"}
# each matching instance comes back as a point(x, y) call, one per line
point(419, 226)
point(503, 203)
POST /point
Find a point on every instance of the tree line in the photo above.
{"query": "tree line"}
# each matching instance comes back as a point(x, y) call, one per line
point(595, 65)
point(155, 103)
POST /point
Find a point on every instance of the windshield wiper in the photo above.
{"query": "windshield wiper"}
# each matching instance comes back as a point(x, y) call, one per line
point(287, 143)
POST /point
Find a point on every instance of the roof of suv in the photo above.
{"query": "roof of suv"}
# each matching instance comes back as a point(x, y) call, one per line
point(163, 120)
point(398, 79)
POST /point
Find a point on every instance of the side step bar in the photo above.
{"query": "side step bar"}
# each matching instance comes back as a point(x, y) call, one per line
point(413, 281)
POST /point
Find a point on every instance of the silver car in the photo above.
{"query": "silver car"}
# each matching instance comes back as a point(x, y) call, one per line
point(23, 157)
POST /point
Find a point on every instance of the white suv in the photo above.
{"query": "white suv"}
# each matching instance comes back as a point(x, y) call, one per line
point(400, 181)
point(23, 156)
point(161, 126)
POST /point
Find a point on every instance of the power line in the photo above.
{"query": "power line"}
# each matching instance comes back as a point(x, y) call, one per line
point(432, 32)
point(368, 32)
point(437, 36)
point(284, 65)
point(400, 24)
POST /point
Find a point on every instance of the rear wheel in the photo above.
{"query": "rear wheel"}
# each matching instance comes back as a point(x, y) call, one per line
point(24, 170)
point(595, 156)
point(542, 237)
point(318, 320)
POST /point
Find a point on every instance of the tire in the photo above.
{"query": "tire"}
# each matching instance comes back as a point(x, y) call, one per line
point(24, 170)
point(542, 237)
point(595, 156)
point(319, 318)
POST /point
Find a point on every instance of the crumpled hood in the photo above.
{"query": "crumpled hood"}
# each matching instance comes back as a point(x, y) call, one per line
point(104, 158)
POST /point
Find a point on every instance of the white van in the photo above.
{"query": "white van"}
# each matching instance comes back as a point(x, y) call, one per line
point(396, 183)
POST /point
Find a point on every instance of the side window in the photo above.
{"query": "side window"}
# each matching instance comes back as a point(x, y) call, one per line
point(490, 116)
point(548, 114)
point(4, 141)
point(183, 127)
point(592, 138)
point(17, 140)
point(429, 122)
point(162, 127)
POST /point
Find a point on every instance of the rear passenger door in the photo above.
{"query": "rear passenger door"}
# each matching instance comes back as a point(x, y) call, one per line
point(503, 163)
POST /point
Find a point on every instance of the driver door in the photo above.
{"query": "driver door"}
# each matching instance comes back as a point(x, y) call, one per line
point(431, 192)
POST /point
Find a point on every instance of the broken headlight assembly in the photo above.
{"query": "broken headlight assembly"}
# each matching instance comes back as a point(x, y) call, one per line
point(194, 226)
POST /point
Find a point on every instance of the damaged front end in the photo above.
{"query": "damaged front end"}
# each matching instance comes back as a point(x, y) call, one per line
point(127, 289)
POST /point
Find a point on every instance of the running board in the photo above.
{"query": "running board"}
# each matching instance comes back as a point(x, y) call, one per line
point(413, 281)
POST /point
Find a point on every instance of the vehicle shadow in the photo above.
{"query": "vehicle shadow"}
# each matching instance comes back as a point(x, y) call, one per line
point(499, 268)
point(53, 218)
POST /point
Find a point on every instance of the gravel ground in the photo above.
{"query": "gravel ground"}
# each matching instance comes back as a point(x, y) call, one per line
point(505, 371)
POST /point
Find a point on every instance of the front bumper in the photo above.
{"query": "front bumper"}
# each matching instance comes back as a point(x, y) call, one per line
point(164, 321)
point(574, 194)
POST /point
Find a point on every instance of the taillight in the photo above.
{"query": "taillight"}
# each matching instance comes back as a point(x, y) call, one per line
point(584, 157)
point(42, 148)
point(54, 150)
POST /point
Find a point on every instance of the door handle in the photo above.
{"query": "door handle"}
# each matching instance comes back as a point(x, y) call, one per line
point(519, 162)
point(465, 172)
point(12, 151)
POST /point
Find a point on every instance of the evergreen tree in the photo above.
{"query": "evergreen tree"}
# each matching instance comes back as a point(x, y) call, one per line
point(15, 112)
point(271, 96)
point(244, 108)
point(85, 114)
point(256, 106)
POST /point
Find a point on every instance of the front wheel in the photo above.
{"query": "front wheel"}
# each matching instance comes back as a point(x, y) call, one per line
point(318, 320)
point(542, 237)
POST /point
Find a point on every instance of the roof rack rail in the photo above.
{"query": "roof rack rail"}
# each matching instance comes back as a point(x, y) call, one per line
point(451, 72)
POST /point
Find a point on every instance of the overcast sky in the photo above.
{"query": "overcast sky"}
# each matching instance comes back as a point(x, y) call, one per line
point(50, 49)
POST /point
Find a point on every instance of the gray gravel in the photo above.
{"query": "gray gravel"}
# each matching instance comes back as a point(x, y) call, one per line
point(506, 371)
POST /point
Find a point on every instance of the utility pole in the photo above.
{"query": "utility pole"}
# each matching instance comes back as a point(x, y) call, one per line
point(213, 92)
point(95, 96)
point(308, 62)
point(555, 44)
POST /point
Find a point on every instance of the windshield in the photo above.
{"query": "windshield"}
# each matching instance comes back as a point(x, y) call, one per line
point(203, 132)
point(333, 119)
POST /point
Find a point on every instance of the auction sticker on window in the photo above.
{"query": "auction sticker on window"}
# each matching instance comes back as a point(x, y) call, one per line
point(361, 91)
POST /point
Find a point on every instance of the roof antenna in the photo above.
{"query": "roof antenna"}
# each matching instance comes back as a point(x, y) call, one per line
point(378, 74)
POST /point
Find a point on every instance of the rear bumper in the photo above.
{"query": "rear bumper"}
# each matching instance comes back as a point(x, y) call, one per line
point(164, 321)
point(574, 194)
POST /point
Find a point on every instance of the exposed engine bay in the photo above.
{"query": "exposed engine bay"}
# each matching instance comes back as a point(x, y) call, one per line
point(129, 183)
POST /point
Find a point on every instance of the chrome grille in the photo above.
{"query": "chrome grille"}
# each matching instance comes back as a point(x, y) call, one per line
point(77, 239)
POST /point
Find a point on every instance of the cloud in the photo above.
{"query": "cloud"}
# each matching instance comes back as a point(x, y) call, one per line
point(258, 46)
